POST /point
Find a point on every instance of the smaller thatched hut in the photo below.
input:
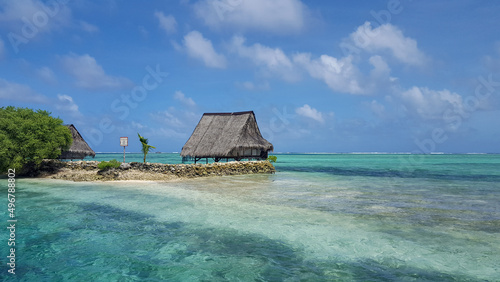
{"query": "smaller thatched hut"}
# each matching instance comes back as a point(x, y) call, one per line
point(227, 136)
point(79, 148)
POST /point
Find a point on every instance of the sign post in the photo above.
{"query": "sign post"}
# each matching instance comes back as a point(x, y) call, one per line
point(124, 143)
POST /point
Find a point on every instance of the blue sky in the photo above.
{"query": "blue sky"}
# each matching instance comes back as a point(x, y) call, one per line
point(321, 76)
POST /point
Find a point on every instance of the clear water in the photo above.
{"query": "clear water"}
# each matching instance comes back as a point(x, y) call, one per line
point(319, 218)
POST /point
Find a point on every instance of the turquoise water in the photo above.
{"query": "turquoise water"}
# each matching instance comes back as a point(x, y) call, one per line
point(319, 218)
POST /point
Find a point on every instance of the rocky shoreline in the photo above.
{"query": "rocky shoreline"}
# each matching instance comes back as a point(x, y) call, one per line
point(88, 170)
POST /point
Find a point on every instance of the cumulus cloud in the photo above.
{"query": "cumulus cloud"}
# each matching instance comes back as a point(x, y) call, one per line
point(179, 96)
point(66, 104)
point(143, 31)
point(167, 23)
point(46, 74)
point(312, 113)
point(11, 91)
point(50, 15)
point(168, 118)
point(201, 48)
point(90, 75)
point(169, 133)
point(175, 123)
point(379, 80)
point(136, 125)
point(492, 62)
point(90, 28)
point(339, 74)
point(388, 37)
point(278, 16)
point(271, 59)
point(380, 67)
point(378, 109)
point(2, 49)
point(251, 86)
point(430, 104)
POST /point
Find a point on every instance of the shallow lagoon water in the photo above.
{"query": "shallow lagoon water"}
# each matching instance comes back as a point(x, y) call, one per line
point(319, 218)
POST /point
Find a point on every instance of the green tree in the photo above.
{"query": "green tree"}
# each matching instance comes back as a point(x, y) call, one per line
point(27, 137)
point(145, 146)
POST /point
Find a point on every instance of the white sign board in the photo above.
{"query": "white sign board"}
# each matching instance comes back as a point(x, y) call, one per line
point(124, 141)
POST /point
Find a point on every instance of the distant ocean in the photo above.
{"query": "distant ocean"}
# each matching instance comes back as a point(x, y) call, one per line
point(321, 217)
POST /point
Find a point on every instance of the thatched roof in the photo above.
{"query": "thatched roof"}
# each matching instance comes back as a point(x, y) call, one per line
point(227, 135)
point(79, 148)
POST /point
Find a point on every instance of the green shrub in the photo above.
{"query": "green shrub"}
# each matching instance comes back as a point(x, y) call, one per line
point(107, 165)
point(28, 136)
point(272, 159)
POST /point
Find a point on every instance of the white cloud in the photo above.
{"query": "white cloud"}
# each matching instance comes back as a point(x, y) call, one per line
point(380, 67)
point(46, 74)
point(378, 109)
point(90, 28)
point(251, 86)
point(136, 125)
point(168, 118)
point(178, 47)
point(492, 62)
point(201, 48)
point(277, 16)
point(169, 133)
point(339, 74)
point(167, 23)
point(379, 79)
point(19, 92)
point(2, 49)
point(388, 37)
point(180, 121)
point(248, 85)
point(90, 75)
point(307, 111)
point(430, 104)
point(48, 16)
point(261, 55)
point(66, 104)
point(144, 32)
point(179, 96)
point(273, 60)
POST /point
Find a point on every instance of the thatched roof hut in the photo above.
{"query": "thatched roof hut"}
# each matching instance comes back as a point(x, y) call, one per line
point(227, 135)
point(79, 148)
